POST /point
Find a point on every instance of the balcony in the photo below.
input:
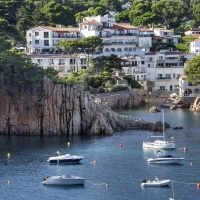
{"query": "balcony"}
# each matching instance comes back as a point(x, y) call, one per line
point(164, 78)
point(65, 36)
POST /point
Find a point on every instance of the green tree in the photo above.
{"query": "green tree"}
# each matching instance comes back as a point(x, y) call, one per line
point(58, 14)
point(133, 83)
point(171, 12)
point(25, 17)
point(87, 46)
point(111, 5)
point(4, 44)
point(192, 70)
point(123, 17)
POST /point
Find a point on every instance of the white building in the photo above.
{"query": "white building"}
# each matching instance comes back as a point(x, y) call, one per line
point(195, 47)
point(187, 89)
point(44, 39)
point(193, 31)
point(118, 38)
point(166, 36)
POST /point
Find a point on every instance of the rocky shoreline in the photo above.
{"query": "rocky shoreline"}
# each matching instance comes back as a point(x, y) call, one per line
point(53, 109)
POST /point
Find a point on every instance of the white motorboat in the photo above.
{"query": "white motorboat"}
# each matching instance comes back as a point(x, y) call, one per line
point(155, 183)
point(165, 159)
point(67, 158)
point(160, 144)
point(63, 180)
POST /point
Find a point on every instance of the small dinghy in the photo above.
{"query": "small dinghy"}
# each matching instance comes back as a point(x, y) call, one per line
point(155, 183)
point(63, 159)
point(63, 180)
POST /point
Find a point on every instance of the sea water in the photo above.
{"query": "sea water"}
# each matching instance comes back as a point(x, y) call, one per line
point(122, 167)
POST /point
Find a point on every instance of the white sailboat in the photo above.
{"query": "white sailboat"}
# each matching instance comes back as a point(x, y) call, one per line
point(160, 144)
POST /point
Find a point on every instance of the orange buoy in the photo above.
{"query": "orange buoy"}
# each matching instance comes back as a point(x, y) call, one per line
point(185, 149)
point(107, 185)
point(120, 145)
point(9, 182)
point(191, 163)
point(198, 184)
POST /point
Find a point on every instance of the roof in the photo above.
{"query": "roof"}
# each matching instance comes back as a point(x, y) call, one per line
point(125, 26)
point(92, 23)
point(163, 30)
point(192, 36)
point(195, 29)
point(56, 29)
point(183, 77)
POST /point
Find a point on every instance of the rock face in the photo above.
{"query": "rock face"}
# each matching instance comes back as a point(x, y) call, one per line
point(153, 109)
point(120, 100)
point(196, 106)
point(54, 109)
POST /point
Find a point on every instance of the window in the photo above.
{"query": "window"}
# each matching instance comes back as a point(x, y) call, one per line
point(196, 90)
point(29, 34)
point(142, 62)
point(162, 88)
point(174, 75)
point(160, 57)
point(112, 50)
point(106, 50)
point(119, 49)
point(36, 41)
point(125, 49)
point(46, 34)
point(130, 49)
point(30, 42)
point(46, 42)
point(151, 65)
point(168, 76)
point(134, 49)
point(83, 61)
point(85, 27)
point(36, 33)
point(72, 61)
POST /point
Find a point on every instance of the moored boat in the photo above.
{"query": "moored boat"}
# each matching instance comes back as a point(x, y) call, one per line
point(160, 144)
point(63, 180)
point(66, 158)
point(155, 183)
point(165, 159)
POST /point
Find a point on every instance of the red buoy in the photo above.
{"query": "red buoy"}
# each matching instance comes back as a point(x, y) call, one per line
point(198, 184)
point(120, 145)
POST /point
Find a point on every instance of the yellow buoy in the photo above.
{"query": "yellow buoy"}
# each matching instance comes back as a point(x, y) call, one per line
point(68, 144)
point(107, 185)
point(172, 137)
point(8, 155)
point(191, 163)
point(9, 182)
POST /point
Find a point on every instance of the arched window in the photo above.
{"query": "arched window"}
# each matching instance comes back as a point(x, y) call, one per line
point(112, 50)
point(106, 50)
point(119, 49)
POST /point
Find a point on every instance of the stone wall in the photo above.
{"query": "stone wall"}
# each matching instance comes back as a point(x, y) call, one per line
point(196, 105)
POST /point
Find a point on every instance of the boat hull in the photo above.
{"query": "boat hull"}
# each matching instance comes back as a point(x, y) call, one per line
point(63, 161)
point(160, 145)
point(60, 180)
point(156, 183)
point(165, 161)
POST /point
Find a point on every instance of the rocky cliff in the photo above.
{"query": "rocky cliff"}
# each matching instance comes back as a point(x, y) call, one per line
point(196, 105)
point(55, 109)
point(120, 100)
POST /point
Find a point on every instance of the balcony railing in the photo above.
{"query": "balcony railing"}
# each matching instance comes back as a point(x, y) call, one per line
point(64, 36)
point(162, 78)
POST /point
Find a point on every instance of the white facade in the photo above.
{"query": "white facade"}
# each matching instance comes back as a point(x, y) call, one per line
point(195, 47)
point(187, 89)
point(44, 39)
point(165, 69)
point(61, 62)
point(193, 31)
point(164, 35)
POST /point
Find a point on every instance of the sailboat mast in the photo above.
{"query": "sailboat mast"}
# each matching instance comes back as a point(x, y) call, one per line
point(163, 125)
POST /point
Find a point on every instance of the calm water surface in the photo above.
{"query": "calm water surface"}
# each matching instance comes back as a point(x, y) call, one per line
point(123, 168)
